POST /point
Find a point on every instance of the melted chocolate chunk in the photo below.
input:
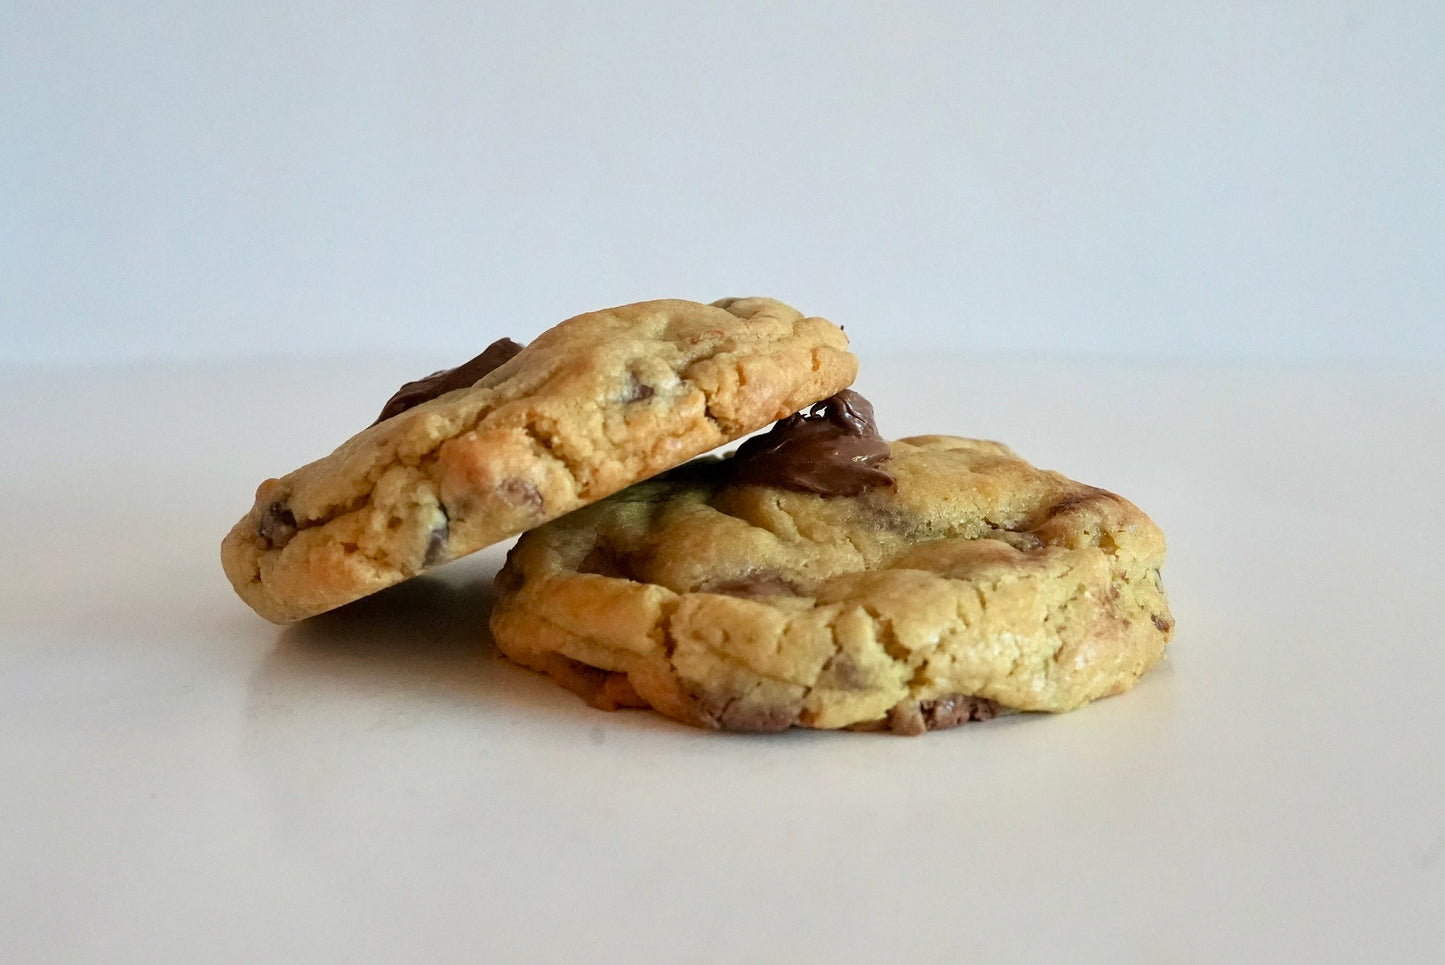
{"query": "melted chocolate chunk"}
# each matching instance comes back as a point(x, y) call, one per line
point(833, 450)
point(440, 383)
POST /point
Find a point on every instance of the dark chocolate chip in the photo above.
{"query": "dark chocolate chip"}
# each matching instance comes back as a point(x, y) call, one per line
point(522, 493)
point(758, 718)
point(956, 709)
point(737, 712)
point(637, 390)
point(844, 673)
point(917, 717)
point(277, 525)
point(436, 544)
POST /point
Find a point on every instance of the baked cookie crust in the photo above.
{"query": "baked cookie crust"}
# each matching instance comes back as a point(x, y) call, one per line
point(974, 585)
point(593, 405)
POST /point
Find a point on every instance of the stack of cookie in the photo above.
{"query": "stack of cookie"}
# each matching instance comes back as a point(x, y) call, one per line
point(819, 576)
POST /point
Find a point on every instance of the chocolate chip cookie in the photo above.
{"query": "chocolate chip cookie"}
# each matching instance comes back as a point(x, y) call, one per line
point(822, 577)
point(520, 435)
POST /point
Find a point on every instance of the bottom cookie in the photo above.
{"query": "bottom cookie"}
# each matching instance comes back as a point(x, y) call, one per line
point(960, 583)
point(611, 690)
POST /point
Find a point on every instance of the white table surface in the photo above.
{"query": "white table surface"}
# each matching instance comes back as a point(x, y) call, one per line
point(181, 781)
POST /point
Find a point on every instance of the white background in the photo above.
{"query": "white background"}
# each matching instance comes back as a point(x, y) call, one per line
point(1189, 252)
point(1220, 180)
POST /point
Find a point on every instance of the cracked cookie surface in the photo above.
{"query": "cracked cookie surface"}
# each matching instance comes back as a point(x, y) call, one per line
point(972, 585)
point(591, 406)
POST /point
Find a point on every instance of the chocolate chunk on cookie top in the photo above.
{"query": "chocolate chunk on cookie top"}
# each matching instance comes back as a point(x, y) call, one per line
point(949, 583)
point(519, 435)
point(437, 384)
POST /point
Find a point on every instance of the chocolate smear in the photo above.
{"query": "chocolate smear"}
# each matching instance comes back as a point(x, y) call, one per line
point(832, 450)
point(464, 376)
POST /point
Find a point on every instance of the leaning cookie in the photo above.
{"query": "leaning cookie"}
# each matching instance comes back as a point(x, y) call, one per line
point(825, 578)
point(517, 436)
